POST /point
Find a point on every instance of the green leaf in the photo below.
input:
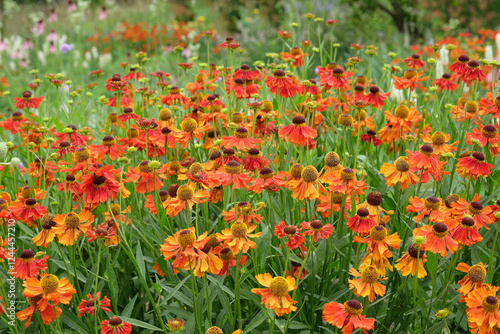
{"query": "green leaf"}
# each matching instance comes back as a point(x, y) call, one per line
point(140, 259)
point(139, 323)
point(127, 311)
point(256, 321)
point(113, 284)
point(72, 320)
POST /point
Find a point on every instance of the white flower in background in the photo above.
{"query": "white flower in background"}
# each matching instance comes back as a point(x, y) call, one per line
point(439, 68)
point(3, 151)
point(444, 55)
point(105, 60)
point(488, 52)
point(497, 41)
point(42, 58)
point(95, 53)
point(396, 93)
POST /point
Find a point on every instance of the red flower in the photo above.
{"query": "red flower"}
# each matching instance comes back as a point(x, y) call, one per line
point(371, 137)
point(317, 229)
point(460, 66)
point(474, 166)
point(240, 140)
point(376, 98)
point(336, 79)
point(347, 316)
point(362, 222)
point(414, 62)
point(473, 72)
point(27, 101)
point(411, 80)
point(28, 266)
point(100, 185)
point(298, 132)
point(446, 82)
point(89, 305)
point(115, 325)
point(280, 84)
point(294, 238)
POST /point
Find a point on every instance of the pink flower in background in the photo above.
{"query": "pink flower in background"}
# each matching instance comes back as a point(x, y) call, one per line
point(71, 6)
point(52, 36)
point(102, 14)
point(28, 44)
point(39, 28)
point(3, 46)
point(53, 15)
point(52, 48)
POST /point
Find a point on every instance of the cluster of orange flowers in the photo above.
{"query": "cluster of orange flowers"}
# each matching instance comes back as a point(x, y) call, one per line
point(201, 148)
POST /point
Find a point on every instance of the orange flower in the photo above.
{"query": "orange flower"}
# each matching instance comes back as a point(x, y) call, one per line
point(378, 242)
point(414, 62)
point(367, 283)
point(240, 140)
point(438, 141)
point(108, 147)
point(27, 101)
point(399, 172)
point(28, 266)
point(115, 325)
point(149, 180)
point(438, 239)
point(431, 206)
point(208, 261)
point(474, 166)
point(237, 238)
point(47, 312)
point(267, 180)
point(346, 182)
point(411, 79)
point(306, 187)
point(244, 212)
point(317, 229)
point(186, 199)
point(480, 214)
point(412, 260)
point(474, 278)
point(336, 79)
point(362, 222)
point(229, 260)
point(424, 158)
point(347, 316)
point(70, 226)
point(13, 124)
point(275, 295)
point(28, 210)
point(182, 245)
point(46, 235)
point(280, 84)
point(484, 135)
point(50, 288)
point(373, 205)
point(465, 232)
point(482, 309)
point(232, 175)
point(100, 185)
point(298, 132)
point(294, 239)
point(89, 305)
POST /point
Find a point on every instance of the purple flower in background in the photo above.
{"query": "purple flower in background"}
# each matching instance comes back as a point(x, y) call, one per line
point(64, 48)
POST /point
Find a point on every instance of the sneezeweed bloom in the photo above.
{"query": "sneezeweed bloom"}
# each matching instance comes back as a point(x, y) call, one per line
point(317, 229)
point(229, 260)
point(366, 285)
point(373, 203)
point(336, 79)
point(371, 137)
point(294, 238)
point(465, 231)
point(238, 237)
point(307, 186)
point(472, 73)
point(280, 84)
point(487, 134)
point(410, 80)
point(362, 222)
point(482, 309)
point(88, 306)
point(439, 140)
point(474, 166)
point(232, 175)
point(50, 288)
point(149, 178)
point(459, 66)
point(70, 226)
point(13, 124)
point(479, 213)
point(267, 180)
point(438, 239)
point(379, 240)
point(27, 265)
point(104, 232)
point(412, 260)
point(28, 211)
point(27, 101)
point(376, 97)
point(424, 158)
point(414, 62)
point(347, 316)
point(275, 295)
point(346, 182)
point(186, 198)
point(115, 325)
point(175, 325)
point(100, 185)
point(446, 82)
point(46, 235)
point(431, 207)
point(474, 278)
point(182, 246)
point(240, 140)
point(254, 160)
point(244, 212)
point(298, 133)
point(47, 312)
point(399, 172)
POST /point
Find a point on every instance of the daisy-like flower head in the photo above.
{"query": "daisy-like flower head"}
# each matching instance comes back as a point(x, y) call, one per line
point(399, 172)
point(366, 285)
point(430, 206)
point(465, 232)
point(115, 325)
point(28, 266)
point(88, 306)
point(474, 166)
point(175, 325)
point(474, 278)
point(46, 235)
point(347, 316)
point(181, 246)
point(36, 303)
point(240, 139)
point(460, 65)
point(51, 289)
point(238, 237)
point(482, 309)
point(362, 222)
point(411, 260)
point(438, 239)
point(307, 186)
point(70, 226)
point(317, 228)
point(280, 84)
point(275, 295)
point(294, 238)
point(298, 133)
